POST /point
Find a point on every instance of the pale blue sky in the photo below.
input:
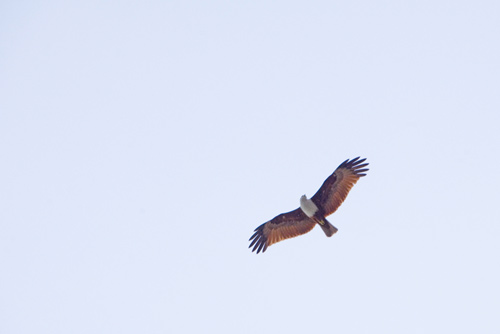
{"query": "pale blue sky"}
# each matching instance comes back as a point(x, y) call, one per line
point(142, 142)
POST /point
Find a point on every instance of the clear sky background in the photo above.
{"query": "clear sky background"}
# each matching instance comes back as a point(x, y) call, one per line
point(142, 142)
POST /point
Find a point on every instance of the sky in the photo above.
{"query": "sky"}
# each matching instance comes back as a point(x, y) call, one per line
point(142, 142)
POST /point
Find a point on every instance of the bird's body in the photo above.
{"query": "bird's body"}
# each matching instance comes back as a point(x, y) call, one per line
point(311, 211)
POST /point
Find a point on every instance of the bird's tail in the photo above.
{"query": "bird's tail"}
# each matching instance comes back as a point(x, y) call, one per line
point(328, 228)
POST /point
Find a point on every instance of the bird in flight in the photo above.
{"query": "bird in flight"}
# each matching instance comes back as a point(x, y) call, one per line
point(311, 211)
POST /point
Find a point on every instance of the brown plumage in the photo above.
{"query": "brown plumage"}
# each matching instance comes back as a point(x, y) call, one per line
point(327, 200)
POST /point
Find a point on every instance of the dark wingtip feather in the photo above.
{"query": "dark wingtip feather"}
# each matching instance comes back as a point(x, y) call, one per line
point(259, 242)
point(253, 242)
point(343, 164)
point(254, 235)
point(260, 247)
point(355, 164)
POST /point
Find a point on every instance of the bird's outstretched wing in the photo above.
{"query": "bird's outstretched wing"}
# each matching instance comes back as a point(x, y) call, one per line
point(284, 226)
point(336, 187)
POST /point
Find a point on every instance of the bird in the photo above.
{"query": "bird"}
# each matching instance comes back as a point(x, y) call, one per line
point(312, 211)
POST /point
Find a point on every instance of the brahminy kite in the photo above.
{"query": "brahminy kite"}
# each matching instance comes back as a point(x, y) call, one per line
point(311, 211)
